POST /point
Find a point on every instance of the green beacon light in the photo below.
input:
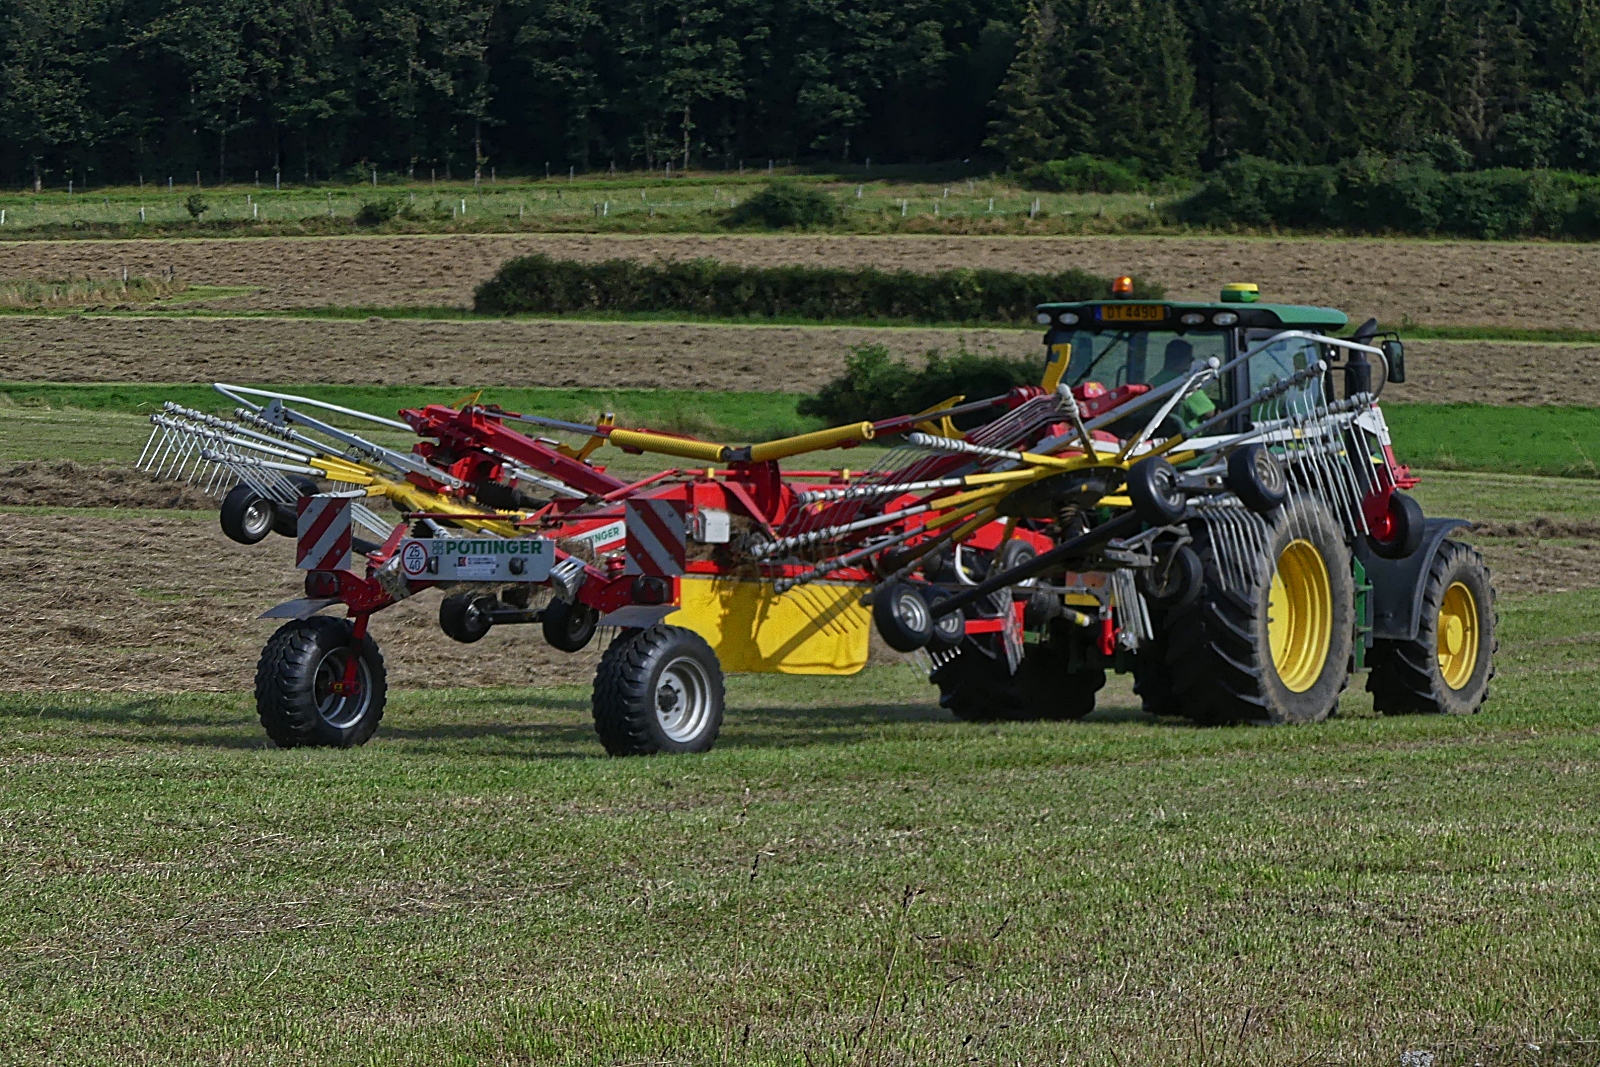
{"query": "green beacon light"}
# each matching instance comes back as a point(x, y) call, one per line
point(1240, 293)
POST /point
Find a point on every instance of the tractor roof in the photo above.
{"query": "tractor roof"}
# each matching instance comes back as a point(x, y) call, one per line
point(1167, 314)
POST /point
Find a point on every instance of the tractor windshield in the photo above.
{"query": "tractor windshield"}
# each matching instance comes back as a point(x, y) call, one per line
point(1147, 357)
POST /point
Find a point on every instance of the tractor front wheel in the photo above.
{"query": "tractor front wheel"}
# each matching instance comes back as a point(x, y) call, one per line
point(1447, 669)
point(658, 689)
point(306, 692)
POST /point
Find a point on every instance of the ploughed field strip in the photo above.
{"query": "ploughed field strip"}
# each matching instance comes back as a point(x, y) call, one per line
point(641, 355)
point(1436, 282)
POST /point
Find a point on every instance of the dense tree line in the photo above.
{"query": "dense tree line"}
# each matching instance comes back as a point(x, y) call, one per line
point(1179, 87)
point(99, 90)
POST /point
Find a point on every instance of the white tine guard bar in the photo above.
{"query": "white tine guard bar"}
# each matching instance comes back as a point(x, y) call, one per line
point(232, 391)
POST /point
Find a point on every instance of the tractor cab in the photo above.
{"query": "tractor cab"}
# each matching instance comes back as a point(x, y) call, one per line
point(1124, 342)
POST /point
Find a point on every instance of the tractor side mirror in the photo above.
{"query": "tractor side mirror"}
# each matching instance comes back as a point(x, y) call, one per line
point(1394, 353)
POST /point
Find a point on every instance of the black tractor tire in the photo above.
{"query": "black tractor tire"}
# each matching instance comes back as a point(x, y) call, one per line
point(287, 521)
point(246, 516)
point(1257, 478)
point(1152, 677)
point(297, 679)
point(975, 687)
point(1448, 668)
point(1407, 525)
point(569, 627)
point(1220, 651)
point(1153, 488)
point(901, 614)
point(658, 689)
point(464, 617)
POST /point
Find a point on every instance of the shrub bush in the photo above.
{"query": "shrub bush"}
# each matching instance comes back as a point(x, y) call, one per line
point(1084, 174)
point(377, 212)
point(785, 205)
point(875, 385)
point(196, 206)
point(1373, 195)
point(538, 284)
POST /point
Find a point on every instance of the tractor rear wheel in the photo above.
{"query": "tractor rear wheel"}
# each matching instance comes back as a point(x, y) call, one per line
point(658, 689)
point(977, 688)
point(300, 691)
point(1447, 669)
point(1278, 651)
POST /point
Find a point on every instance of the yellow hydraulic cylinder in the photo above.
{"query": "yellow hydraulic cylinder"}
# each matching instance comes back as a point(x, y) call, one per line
point(807, 442)
point(705, 451)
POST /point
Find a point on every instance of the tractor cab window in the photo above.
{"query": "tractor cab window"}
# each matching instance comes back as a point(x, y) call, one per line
point(1148, 357)
point(1278, 361)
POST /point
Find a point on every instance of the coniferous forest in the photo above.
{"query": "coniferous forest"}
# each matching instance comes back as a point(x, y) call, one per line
point(107, 90)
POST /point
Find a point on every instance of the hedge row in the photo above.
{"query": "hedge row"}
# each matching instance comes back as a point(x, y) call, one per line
point(1368, 195)
point(875, 385)
point(538, 284)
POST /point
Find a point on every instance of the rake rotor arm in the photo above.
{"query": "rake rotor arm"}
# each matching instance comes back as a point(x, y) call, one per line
point(1122, 525)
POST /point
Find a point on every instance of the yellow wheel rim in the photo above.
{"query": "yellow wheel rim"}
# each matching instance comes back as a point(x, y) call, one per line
point(1458, 636)
point(1300, 616)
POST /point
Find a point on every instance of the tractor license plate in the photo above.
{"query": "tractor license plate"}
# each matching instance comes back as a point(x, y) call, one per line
point(1131, 312)
point(477, 559)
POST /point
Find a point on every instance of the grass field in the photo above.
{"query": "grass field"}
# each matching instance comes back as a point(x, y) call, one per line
point(623, 203)
point(1550, 441)
point(849, 878)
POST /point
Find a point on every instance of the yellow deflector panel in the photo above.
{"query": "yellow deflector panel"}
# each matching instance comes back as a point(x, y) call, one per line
point(820, 628)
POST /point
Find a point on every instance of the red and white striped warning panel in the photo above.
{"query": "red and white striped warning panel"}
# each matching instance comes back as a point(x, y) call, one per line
point(656, 532)
point(324, 528)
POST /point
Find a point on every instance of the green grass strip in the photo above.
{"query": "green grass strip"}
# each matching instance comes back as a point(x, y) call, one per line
point(732, 416)
point(1561, 442)
point(1412, 332)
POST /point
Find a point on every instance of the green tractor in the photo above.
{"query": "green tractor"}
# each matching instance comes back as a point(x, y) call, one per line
point(1263, 608)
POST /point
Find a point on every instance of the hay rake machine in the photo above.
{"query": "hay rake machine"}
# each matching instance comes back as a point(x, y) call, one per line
point(1222, 525)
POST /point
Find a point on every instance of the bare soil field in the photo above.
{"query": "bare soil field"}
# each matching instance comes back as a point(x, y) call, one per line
point(144, 603)
point(604, 355)
point(472, 353)
point(1432, 282)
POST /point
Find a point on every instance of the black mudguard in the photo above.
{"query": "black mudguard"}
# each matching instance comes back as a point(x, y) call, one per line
point(1397, 583)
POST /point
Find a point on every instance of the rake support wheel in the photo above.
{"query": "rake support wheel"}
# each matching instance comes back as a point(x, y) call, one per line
point(300, 693)
point(246, 516)
point(658, 689)
point(1448, 667)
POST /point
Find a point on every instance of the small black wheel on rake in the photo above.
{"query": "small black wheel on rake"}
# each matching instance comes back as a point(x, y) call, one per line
point(569, 627)
point(1153, 487)
point(949, 630)
point(286, 523)
point(902, 617)
point(1258, 479)
point(1175, 581)
point(317, 686)
point(246, 516)
point(465, 617)
point(1399, 533)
